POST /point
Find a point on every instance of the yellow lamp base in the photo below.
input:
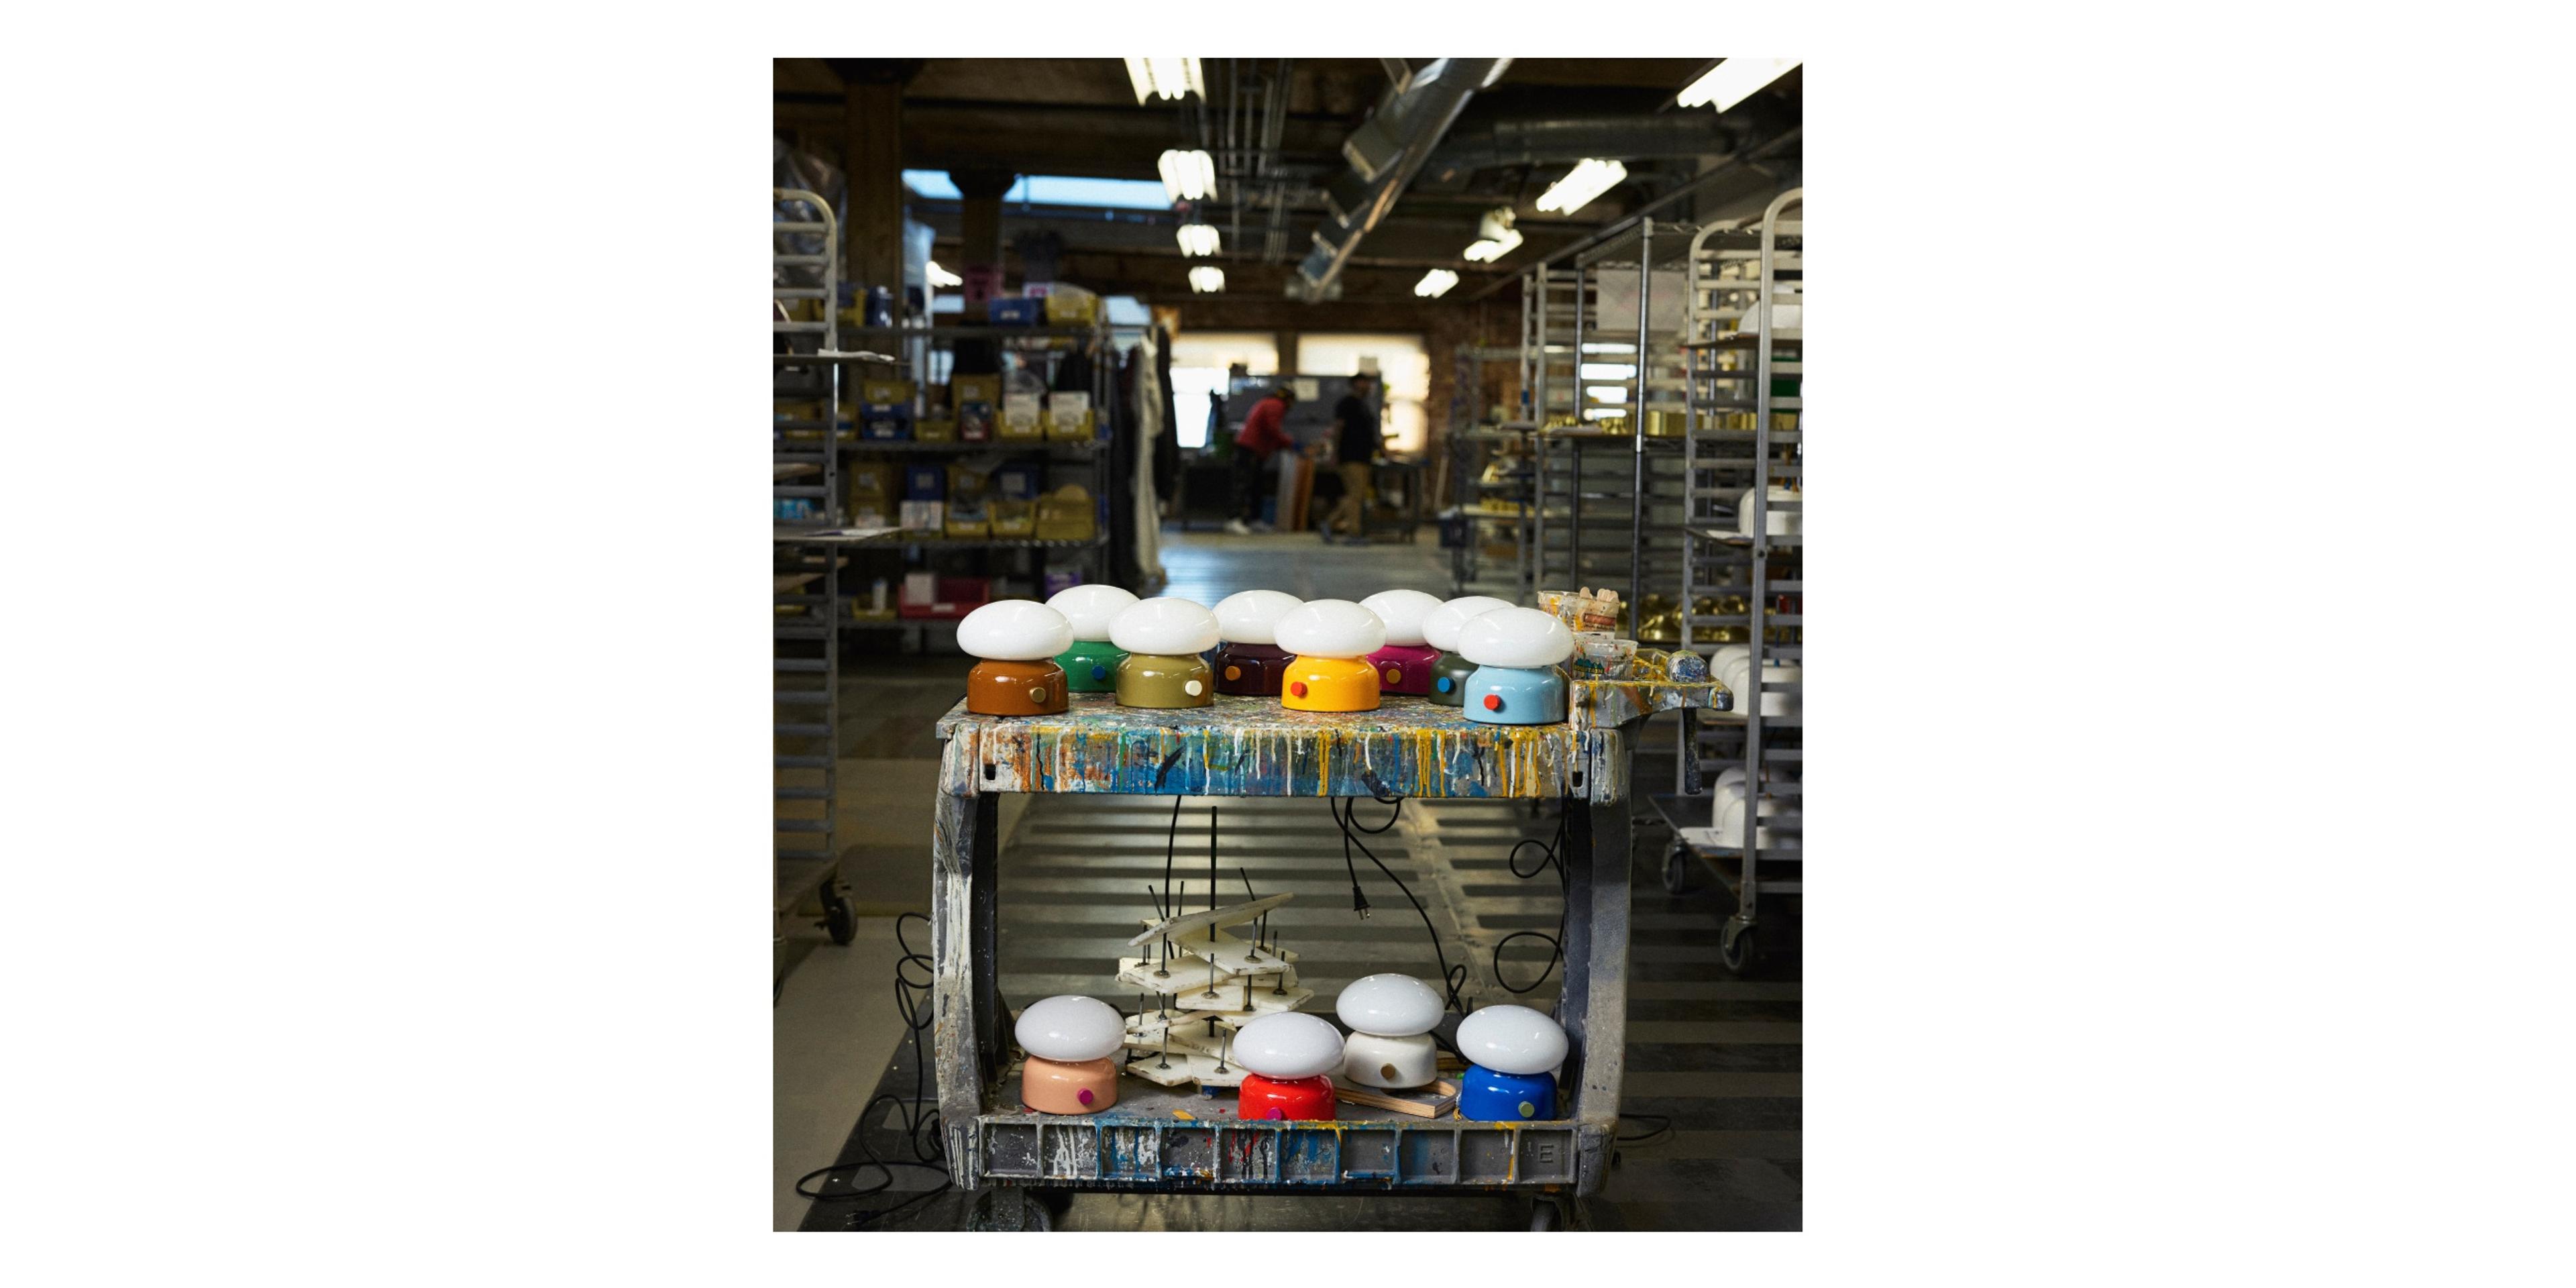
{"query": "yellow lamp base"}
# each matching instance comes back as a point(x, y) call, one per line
point(1329, 684)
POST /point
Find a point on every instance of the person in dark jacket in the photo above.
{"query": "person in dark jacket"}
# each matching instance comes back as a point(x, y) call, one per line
point(1355, 447)
point(1261, 437)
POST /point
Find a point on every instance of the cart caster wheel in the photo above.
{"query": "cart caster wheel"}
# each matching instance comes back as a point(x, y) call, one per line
point(1545, 1216)
point(1676, 868)
point(1007, 1208)
point(1735, 948)
point(840, 919)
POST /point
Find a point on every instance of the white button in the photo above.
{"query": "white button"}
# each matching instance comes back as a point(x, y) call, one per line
point(1191, 688)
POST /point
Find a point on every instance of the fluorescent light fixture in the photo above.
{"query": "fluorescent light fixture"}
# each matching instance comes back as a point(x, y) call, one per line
point(1733, 81)
point(1435, 283)
point(1207, 279)
point(1188, 176)
point(1494, 223)
point(1489, 249)
point(1589, 178)
point(1607, 393)
point(1607, 371)
point(942, 277)
point(1198, 239)
point(1165, 78)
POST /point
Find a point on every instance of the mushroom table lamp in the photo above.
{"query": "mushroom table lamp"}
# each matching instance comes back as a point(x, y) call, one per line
point(1332, 639)
point(1440, 630)
point(1250, 662)
point(1163, 637)
point(1069, 1040)
point(1018, 640)
point(1516, 651)
point(1091, 665)
point(1510, 1050)
point(1391, 1018)
point(1404, 665)
point(1288, 1058)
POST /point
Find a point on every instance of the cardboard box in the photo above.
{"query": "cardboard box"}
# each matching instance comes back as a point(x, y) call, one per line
point(925, 483)
point(966, 502)
point(977, 389)
point(926, 517)
point(1071, 306)
point(871, 495)
point(1023, 312)
point(934, 430)
point(975, 422)
point(1019, 480)
point(1068, 416)
point(886, 391)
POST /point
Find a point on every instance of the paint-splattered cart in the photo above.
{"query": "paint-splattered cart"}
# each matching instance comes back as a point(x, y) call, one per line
point(1254, 747)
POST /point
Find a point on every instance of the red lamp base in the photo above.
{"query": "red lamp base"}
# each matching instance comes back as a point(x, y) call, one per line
point(1304, 1099)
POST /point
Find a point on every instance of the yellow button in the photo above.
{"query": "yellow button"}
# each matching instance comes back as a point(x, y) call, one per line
point(1037, 695)
point(1393, 675)
point(1234, 673)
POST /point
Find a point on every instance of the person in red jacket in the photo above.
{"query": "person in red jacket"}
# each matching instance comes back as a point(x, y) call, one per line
point(1261, 438)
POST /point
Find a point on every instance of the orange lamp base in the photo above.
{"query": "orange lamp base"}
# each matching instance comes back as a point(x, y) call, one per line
point(997, 688)
point(1069, 1087)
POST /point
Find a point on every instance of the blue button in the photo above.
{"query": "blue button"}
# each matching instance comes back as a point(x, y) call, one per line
point(1445, 682)
point(1099, 672)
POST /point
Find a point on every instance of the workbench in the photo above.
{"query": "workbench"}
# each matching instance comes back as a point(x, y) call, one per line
point(1247, 747)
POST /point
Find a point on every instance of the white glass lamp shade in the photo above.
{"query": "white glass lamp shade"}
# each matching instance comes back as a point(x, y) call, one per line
point(1390, 1006)
point(1512, 1039)
point(1070, 1029)
point(1014, 630)
point(1291, 1044)
point(1515, 637)
point(1165, 624)
point(1252, 616)
point(1331, 628)
point(1441, 625)
point(1091, 608)
point(1403, 612)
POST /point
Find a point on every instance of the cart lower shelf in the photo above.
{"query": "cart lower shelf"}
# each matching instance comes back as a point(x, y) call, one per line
point(1143, 1143)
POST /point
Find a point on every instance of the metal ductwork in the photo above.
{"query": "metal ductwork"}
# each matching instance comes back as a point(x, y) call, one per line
point(1386, 151)
point(1495, 144)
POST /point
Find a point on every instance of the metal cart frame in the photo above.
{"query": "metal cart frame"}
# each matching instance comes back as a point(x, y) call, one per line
point(1253, 747)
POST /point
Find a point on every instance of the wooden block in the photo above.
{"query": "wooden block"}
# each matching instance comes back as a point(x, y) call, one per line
point(1197, 997)
point(1430, 1102)
point(1231, 954)
point(1144, 1067)
point(1136, 974)
point(1265, 1002)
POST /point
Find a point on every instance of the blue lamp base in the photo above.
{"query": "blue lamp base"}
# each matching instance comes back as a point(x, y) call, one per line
point(1515, 695)
point(1490, 1097)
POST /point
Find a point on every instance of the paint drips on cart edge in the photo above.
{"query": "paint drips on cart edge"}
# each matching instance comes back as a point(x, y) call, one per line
point(1254, 747)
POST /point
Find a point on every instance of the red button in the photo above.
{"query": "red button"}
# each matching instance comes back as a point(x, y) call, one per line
point(1493, 702)
point(1298, 688)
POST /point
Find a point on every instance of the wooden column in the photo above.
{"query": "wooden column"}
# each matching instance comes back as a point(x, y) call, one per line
point(979, 232)
point(1286, 342)
point(872, 154)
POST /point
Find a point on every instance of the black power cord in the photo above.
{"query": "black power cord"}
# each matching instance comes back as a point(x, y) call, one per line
point(1548, 857)
point(915, 1114)
point(1346, 816)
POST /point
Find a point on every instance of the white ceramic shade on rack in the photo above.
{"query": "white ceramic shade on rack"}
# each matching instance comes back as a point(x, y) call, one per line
point(1403, 612)
point(1519, 638)
point(1732, 666)
point(1091, 609)
point(1394, 1006)
point(1289, 1044)
point(1252, 616)
point(1164, 625)
point(1782, 523)
point(1441, 625)
point(1014, 630)
point(1331, 628)
point(1070, 1028)
point(1512, 1039)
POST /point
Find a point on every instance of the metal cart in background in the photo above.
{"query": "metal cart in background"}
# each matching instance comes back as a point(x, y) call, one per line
point(1745, 439)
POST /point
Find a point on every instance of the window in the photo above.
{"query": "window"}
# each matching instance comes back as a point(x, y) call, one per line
point(1403, 363)
point(1199, 363)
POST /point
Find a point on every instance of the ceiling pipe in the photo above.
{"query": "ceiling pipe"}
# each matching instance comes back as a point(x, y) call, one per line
point(1496, 144)
point(1388, 149)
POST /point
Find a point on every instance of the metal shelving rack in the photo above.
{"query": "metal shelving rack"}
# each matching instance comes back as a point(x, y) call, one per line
point(1745, 436)
point(910, 348)
point(1602, 498)
point(806, 605)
